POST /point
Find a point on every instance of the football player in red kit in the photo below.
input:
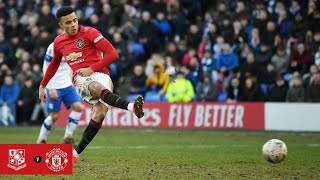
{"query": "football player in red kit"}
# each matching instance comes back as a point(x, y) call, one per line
point(88, 54)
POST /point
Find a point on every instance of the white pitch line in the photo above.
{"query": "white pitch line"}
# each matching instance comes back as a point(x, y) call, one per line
point(177, 146)
point(164, 146)
point(313, 145)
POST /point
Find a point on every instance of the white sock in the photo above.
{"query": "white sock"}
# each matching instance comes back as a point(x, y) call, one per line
point(75, 153)
point(72, 123)
point(130, 106)
point(45, 129)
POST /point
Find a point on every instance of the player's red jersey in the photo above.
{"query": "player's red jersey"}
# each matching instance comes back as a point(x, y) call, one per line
point(86, 49)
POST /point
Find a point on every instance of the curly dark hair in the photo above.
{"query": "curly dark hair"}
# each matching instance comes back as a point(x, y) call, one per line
point(63, 11)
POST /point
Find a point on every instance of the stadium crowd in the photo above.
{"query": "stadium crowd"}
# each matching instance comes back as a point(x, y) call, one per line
point(175, 50)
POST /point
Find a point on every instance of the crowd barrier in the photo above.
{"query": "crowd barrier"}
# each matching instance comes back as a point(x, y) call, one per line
point(237, 116)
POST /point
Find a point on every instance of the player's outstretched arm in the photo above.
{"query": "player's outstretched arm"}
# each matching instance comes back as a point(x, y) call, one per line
point(51, 70)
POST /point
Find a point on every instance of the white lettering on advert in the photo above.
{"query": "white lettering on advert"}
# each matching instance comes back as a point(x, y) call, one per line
point(228, 116)
point(177, 113)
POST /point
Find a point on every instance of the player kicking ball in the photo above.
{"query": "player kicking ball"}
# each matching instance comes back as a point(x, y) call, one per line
point(88, 54)
point(60, 89)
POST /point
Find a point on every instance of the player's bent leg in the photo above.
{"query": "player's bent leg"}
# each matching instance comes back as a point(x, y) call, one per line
point(97, 91)
point(47, 127)
point(99, 111)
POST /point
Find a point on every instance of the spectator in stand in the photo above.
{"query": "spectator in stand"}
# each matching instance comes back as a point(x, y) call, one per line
point(187, 57)
point(148, 34)
point(190, 75)
point(280, 60)
point(89, 9)
point(268, 75)
point(315, 45)
point(138, 81)
point(300, 59)
point(307, 78)
point(196, 69)
point(23, 73)
point(180, 90)
point(107, 17)
point(171, 66)
point(255, 41)
point(234, 90)
point(298, 26)
point(241, 9)
point(263, 55)
point(296, 92)
point(177, 20)
point(174, 52)
point(4, 71)
point(207, 90)
point(239, 37)
point(94, 21)
point(162, 24)
point(247, 26)
point(129, 31)
point(129, 12)
point(222, 85)
point(208, 62)
point(158, 82)
point(227, 60)
point(205, 45)
point(213, 33)
point(270, 33)
point(294, 7)
point(124, 62)
point(218, 46)
point(251, 91)
point(155, 6)
point(221, 12)
point(314, 89)
point(279, 91)
point(194, 36)
point(226, 29)
point(26, 102)
point(7, 50)
point(283, 22)
point(9, 93)
point(317, 57)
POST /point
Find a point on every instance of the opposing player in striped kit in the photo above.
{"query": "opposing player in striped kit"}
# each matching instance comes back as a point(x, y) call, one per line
point(60, 91)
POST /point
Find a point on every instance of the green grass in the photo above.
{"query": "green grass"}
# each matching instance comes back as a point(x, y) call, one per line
point(170, 154)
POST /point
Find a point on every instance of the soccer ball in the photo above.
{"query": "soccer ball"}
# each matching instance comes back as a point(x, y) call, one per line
point(274, 151)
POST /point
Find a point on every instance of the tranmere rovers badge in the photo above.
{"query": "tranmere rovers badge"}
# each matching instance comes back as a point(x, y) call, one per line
point(17, 159)
point(56, 159)
point(80, 43)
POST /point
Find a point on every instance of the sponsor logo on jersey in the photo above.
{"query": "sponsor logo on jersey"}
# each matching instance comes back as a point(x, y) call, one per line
point(73, 56)
point(80, 43)
point(98, 38)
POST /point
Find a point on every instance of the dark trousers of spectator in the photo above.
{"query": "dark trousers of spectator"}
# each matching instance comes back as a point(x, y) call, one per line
point(24, 115)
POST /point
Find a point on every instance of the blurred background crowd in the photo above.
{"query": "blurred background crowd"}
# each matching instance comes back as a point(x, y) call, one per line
point(174, 50)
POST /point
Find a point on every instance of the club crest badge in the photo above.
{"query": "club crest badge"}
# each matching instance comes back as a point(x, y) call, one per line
point(56, 159)
point(17, 159)
point(80, 43)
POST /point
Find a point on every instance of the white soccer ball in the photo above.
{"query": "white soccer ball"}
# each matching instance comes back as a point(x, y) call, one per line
point(274, 151)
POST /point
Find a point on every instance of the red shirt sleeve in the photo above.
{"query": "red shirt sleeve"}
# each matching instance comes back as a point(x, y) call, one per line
point(110, 53)
point(53, 66)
